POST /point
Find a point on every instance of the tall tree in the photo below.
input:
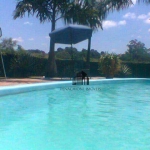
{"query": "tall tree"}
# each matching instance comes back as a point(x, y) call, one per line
point(87, 12)
point(136, 52)
point(8, 44)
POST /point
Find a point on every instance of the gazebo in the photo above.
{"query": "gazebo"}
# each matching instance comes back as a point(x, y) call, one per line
point(73, 34)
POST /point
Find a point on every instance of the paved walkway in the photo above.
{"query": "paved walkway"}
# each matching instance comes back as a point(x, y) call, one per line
point(17, 81)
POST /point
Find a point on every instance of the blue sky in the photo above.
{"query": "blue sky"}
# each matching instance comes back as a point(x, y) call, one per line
point(119, 28)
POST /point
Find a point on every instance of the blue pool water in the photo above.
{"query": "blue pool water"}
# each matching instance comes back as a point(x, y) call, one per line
point(113, 115)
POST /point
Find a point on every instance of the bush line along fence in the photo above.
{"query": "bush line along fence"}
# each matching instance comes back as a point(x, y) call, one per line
point(25, 66)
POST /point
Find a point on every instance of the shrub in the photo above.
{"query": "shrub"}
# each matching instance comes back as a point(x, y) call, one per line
point(109, 64)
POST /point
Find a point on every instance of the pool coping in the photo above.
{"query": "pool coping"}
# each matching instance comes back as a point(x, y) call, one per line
point(16, 89)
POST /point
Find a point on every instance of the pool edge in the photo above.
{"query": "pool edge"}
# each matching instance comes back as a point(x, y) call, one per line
point(16, 89)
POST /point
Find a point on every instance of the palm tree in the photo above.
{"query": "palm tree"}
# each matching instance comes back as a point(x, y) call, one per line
point(87, 12)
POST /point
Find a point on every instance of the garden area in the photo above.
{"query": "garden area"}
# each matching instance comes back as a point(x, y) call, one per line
point(21, 63)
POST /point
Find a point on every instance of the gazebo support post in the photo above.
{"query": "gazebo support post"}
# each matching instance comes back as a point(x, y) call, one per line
point(72, 58)
point(88, 56)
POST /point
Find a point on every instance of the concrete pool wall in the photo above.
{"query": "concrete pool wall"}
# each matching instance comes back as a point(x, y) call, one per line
point(8, 90)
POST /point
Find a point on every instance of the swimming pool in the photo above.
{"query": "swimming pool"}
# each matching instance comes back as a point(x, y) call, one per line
point(110, 115)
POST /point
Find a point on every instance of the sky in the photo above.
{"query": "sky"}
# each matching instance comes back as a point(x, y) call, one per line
point(118, 29)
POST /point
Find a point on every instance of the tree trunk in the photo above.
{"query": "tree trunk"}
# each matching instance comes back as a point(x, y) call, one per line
point(51, 70)
point(51, 63)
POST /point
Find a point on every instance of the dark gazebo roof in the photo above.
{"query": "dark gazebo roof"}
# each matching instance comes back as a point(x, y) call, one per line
point(71, 34)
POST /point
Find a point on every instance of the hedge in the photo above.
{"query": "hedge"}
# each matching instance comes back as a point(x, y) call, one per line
point(25, 65)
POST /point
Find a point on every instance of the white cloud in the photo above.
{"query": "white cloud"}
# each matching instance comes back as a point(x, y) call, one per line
point(136, 36)
point(139, 37)
point(147, 21)
point(129, 15)
point(143, 16)
point(109, 24)
point(28, 23)
point(19, 39)
point(134, 2)
point(123, 22)
point(31, 39)
point(148, 30)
